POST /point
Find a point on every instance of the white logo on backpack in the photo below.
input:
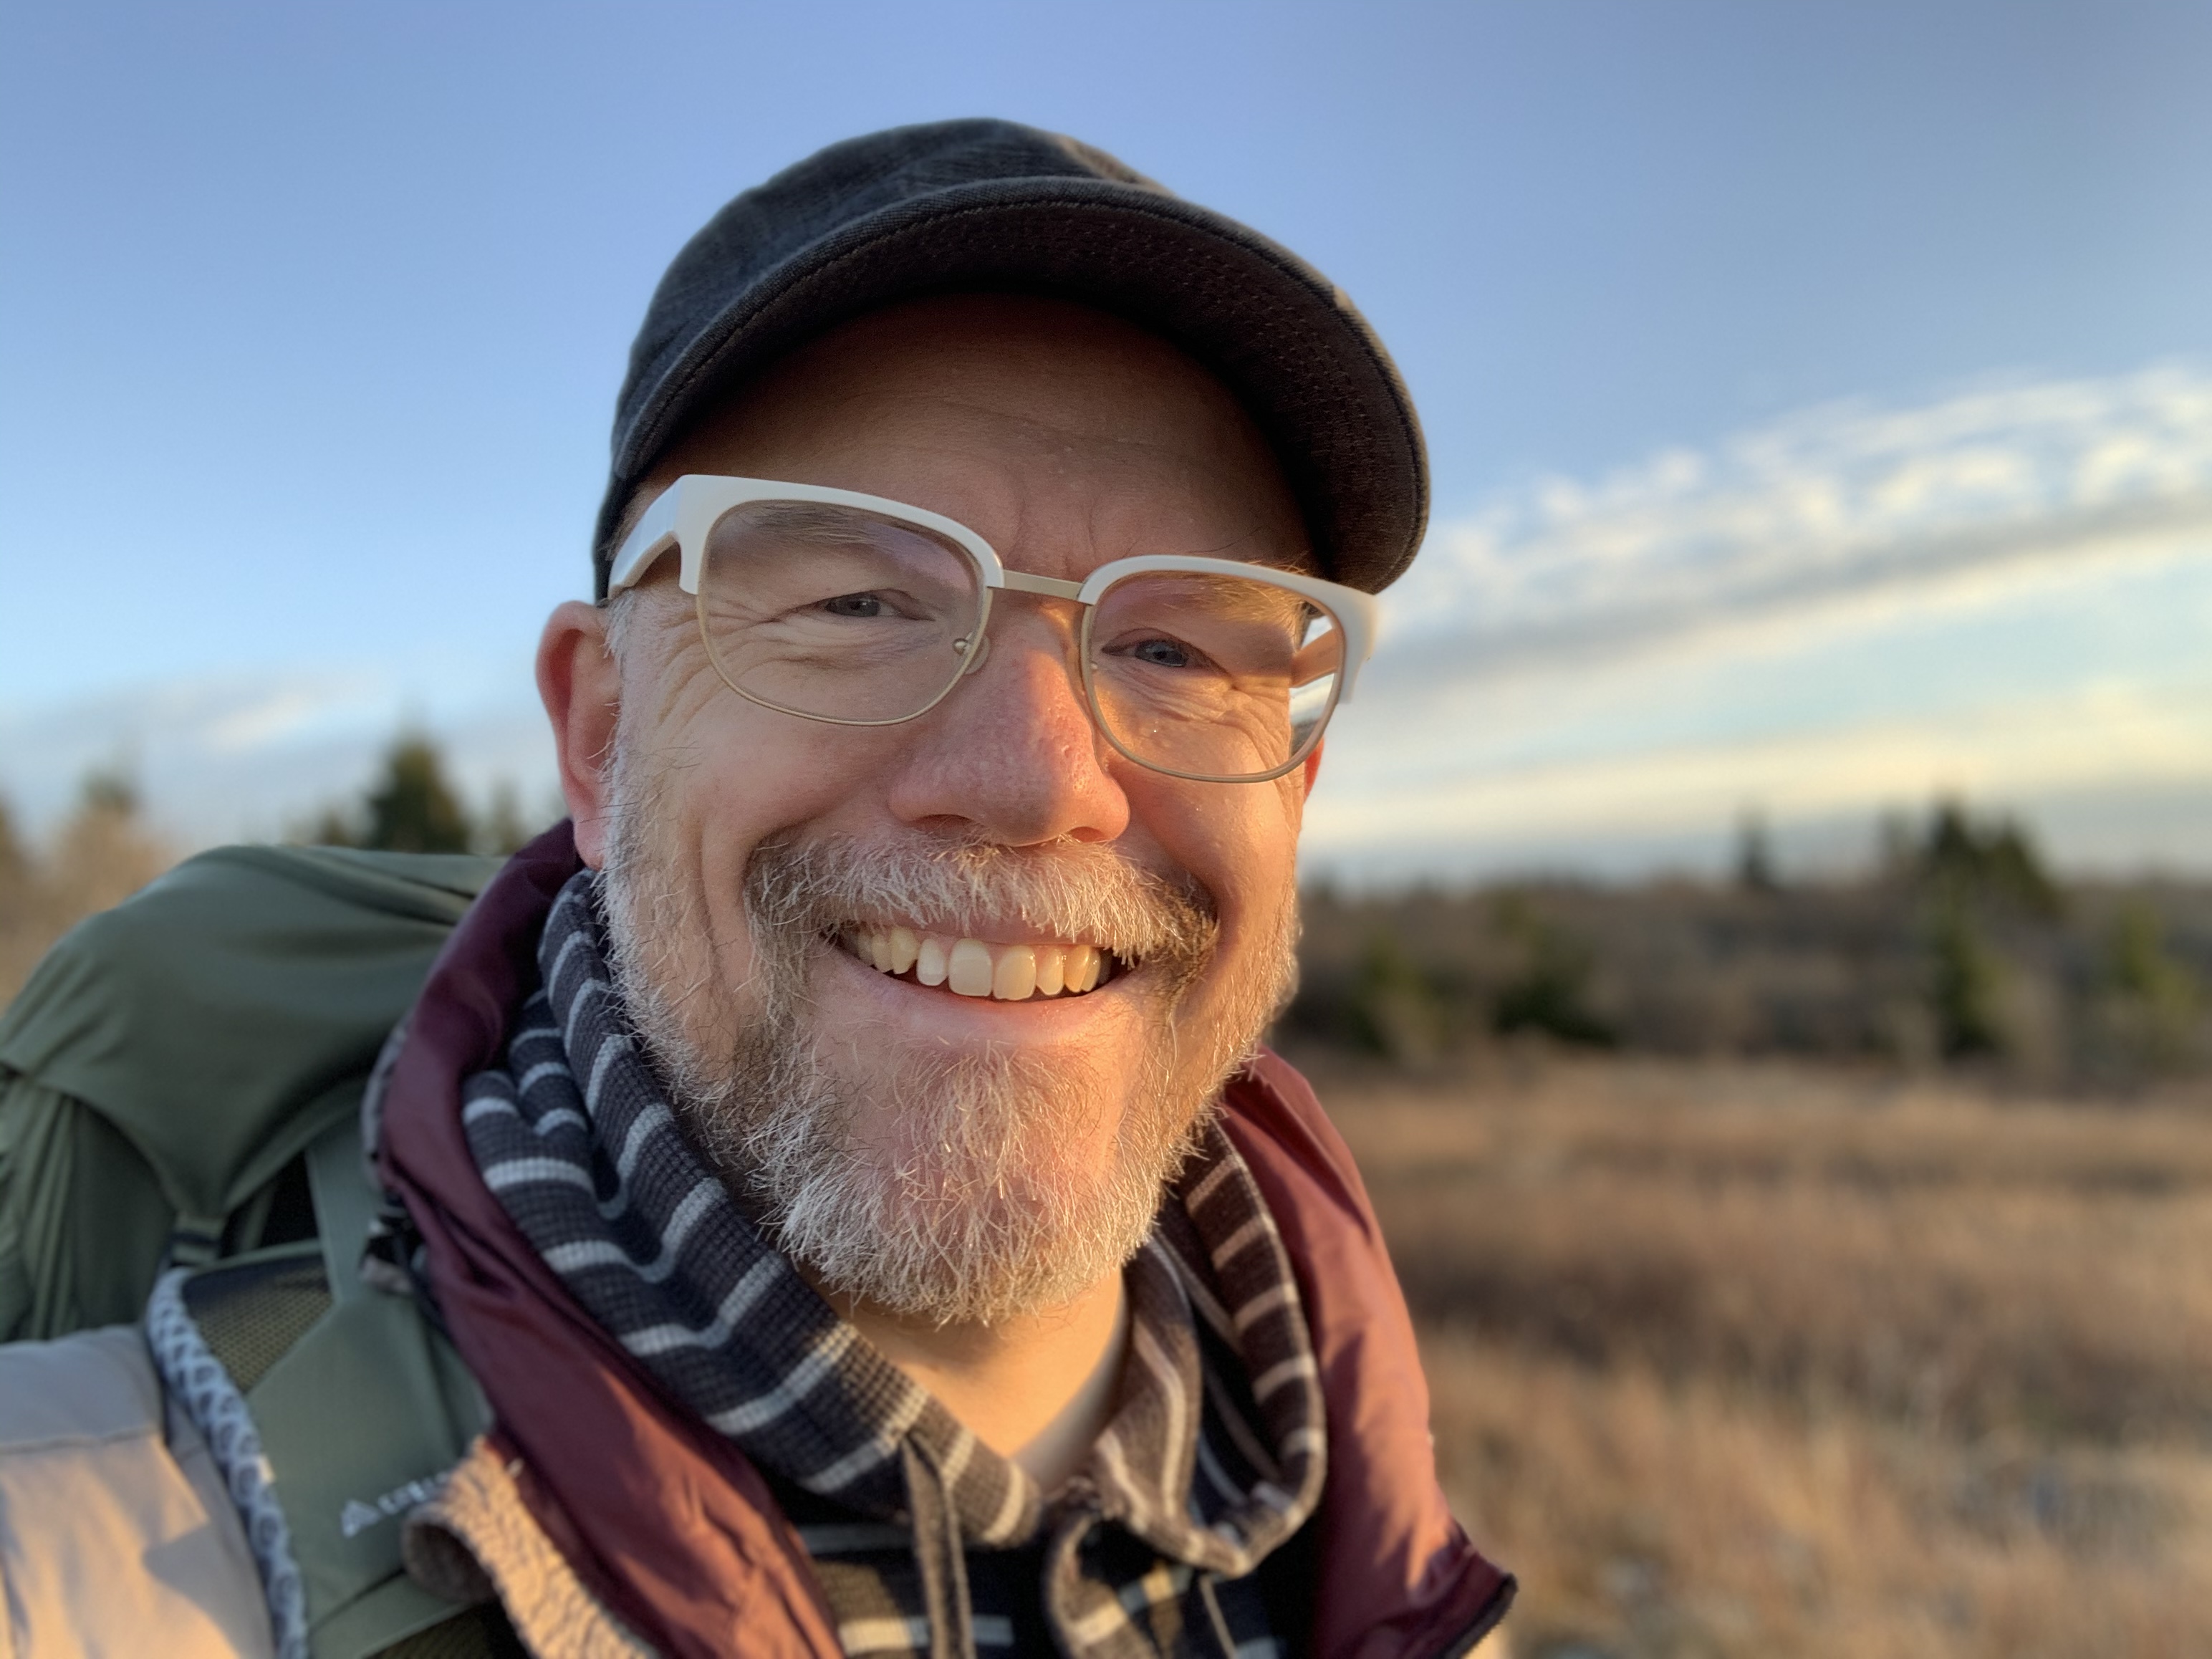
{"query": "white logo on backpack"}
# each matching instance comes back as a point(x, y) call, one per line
point(358, 1517)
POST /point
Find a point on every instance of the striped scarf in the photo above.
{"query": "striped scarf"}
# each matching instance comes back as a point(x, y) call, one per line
point(1215, 1454)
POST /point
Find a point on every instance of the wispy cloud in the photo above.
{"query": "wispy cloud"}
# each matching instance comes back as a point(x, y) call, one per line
point(1839, 503)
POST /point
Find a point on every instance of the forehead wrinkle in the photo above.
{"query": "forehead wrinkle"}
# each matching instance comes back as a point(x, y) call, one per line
point(1102, 541)
point(1115, 433)
point(1017, 512)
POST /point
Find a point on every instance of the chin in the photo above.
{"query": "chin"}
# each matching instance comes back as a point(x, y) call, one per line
point(970, 1186)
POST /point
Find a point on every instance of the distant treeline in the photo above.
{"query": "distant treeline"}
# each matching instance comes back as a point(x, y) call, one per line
point(411, 806)
point(1960, 948)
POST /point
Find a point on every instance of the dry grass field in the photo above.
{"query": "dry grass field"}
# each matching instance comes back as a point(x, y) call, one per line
point(1732, 1359)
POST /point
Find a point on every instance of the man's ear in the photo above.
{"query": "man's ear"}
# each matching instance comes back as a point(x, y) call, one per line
point(581, 685)
point(1313, 766)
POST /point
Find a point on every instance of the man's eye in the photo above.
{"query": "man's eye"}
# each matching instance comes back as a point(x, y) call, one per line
point(1163, 653)
point(855, 605)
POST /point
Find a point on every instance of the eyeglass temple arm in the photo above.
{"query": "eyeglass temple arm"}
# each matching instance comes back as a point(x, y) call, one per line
point(1365, 616)
point(651, 537)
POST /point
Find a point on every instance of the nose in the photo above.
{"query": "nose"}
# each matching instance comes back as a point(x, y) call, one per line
point(1011, 754)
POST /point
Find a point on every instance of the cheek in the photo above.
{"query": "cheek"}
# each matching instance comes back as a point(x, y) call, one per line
point(1240, 841)
point(731, 774)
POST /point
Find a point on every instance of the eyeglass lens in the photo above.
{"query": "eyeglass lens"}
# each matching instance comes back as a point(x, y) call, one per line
point(835, 613)
point(1212, 676)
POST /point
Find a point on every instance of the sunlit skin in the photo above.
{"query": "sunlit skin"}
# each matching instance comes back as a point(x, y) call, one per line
point(1066, 438)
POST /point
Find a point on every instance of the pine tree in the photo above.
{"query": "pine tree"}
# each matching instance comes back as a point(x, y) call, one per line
point(1754, 856)
point(413, 808)
point(1967, 984)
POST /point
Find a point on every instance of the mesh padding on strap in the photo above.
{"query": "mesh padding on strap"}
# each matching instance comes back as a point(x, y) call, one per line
point(249, 1315)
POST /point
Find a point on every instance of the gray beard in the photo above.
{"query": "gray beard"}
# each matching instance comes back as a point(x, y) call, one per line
point(971, 1209)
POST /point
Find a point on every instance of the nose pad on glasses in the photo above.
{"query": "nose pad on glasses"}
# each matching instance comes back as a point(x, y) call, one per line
point(975, 661)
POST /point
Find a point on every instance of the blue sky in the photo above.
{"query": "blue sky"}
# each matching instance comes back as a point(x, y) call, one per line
point(1819, 395)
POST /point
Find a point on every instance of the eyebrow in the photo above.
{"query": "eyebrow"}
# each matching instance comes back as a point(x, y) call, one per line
point(836, 524)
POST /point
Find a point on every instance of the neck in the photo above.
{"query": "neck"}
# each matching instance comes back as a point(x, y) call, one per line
point(1036, 1389)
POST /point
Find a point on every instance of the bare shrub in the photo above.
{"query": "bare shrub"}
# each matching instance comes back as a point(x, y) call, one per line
point(101, 855)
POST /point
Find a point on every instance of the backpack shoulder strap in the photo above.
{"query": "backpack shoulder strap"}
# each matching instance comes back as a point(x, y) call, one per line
point(336, 1408)
point(331, 1419)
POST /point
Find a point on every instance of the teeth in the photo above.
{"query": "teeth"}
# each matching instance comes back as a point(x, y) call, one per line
point(968, 969)
point(976, 967)
point(904, 948)
point(1051, 962)
point(1014, 977)
point(1083, 966)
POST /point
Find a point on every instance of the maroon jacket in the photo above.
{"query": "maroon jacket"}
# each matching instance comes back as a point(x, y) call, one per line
point(676, 1531)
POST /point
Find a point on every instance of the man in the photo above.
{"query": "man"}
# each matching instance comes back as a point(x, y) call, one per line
point(845, 1158)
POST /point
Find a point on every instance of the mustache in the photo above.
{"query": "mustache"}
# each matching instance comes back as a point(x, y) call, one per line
point(1066, 890)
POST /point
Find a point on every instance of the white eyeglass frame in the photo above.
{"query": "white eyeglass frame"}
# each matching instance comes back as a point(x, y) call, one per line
point(683, 515)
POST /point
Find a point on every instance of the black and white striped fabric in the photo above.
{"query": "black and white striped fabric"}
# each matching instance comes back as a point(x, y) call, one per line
point(1214, 1457)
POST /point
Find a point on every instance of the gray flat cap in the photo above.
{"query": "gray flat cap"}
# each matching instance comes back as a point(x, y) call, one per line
point(991, 205)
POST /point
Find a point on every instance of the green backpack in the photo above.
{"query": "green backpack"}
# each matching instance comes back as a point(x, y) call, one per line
point(180, 1086)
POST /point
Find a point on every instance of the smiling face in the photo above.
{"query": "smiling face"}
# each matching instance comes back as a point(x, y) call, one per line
point(945, 997)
